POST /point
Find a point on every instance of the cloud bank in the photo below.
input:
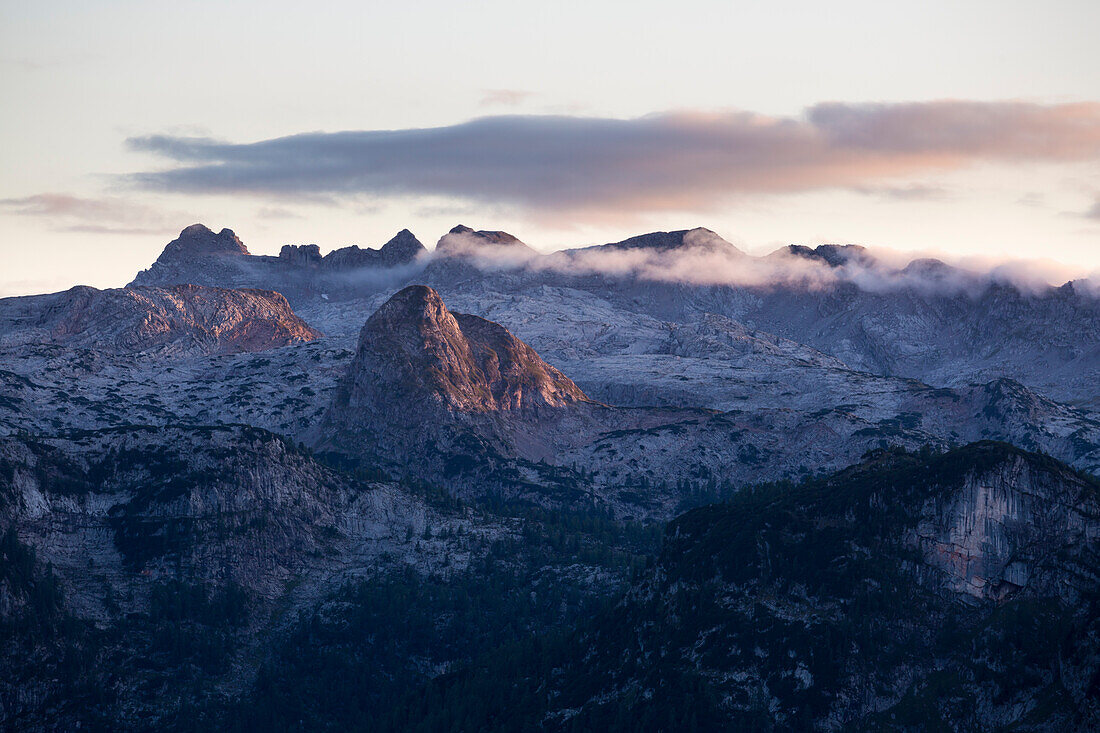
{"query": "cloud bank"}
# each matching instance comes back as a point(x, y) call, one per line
point(703, 258)
point(587, 167)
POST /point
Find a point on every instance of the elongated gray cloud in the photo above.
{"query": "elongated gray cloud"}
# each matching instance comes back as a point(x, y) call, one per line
point(587, 166)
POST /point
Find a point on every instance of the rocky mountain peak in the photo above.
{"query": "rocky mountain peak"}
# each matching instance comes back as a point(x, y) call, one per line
point(413, 348)
point(464, 240)
point(304, 254)
point(834, 255)
point(699, 237)
point(929, 267)
point(403, 247)
point(198, 240)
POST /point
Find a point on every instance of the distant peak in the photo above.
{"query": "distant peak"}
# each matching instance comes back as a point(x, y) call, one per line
point(198, 239)
point(699, 237)
point(833, 255)
point(928, 267)
point(196, 230)
point(402, 249)
point(840, 254)
point(464, 239)
point(404, 245)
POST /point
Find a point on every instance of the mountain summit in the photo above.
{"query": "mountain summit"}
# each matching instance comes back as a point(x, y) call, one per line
point(199, 240)
point(464, 240)
point(697, 238)
point(424, 378)
point(413, 351)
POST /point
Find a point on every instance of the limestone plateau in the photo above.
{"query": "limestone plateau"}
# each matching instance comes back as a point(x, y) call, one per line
point(655, 484)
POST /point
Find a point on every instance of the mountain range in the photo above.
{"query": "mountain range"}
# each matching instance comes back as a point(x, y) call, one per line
point(252, 492)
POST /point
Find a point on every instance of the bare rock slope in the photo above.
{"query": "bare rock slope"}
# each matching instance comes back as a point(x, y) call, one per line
point(182, 318)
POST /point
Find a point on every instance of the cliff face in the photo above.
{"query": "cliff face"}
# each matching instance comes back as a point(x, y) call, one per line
point(1020, 525)
point(966, 585)
point(184, 318)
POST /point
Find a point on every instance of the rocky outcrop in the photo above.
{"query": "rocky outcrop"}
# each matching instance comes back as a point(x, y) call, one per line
point(179, 319)
point(1020, 523)
point(300, 255)
point(425, 378)
point(414, 349)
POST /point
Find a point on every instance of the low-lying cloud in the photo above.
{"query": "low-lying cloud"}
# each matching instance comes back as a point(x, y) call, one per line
point(705, 259)
point(589, 167)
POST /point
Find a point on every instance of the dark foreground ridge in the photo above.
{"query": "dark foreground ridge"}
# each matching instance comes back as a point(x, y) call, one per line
point(955, 592)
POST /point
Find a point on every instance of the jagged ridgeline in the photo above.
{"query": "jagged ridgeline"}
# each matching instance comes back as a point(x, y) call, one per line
point(657, 484)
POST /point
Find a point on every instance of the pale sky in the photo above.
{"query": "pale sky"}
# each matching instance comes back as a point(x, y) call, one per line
point(965, 128)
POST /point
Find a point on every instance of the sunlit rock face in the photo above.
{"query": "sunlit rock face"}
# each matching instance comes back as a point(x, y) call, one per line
point(414, 347)
point(180, 319)
point(423, 377)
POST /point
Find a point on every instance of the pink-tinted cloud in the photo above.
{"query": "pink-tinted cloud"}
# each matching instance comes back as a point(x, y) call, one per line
point(587, 167)
point(504, 97)
point(92, 215)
